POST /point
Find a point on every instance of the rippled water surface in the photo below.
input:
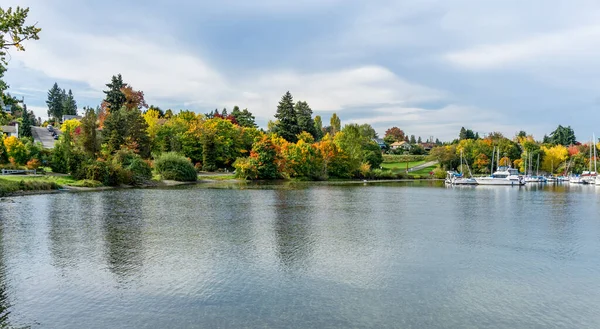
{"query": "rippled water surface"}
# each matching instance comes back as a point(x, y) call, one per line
point(303, 256)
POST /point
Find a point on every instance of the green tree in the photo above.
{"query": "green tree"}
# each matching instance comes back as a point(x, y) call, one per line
point(413, 140)
point(318, 127)
point(26, 122)
point(88, 137)
point(288, 122)
point(305, 120)
point(563, 136)
point(335, 123)
point(69, 104)
point(127, 128)
point(115, 98)
point(244, 118)
point(419, 141)
point(13, 32)
point(55, 102)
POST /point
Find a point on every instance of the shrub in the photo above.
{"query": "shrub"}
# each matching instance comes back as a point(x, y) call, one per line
point(246, 168)
point(106, 173)
point(439, 173)
point(173, 166)
point(140, 171)
point(33, 164)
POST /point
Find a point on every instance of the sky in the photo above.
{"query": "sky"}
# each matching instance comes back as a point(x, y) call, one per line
point(429, 67)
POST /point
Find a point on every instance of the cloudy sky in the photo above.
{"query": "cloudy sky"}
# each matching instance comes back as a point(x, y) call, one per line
point(426, 66)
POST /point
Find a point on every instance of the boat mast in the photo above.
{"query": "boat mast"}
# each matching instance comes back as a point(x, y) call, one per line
point(595, 154)
point(492, 162)
point(590, 162)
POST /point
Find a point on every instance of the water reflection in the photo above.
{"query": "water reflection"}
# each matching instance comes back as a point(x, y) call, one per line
point(4, 302)
point(300, 255)
point(123, 219)
point(293, 236)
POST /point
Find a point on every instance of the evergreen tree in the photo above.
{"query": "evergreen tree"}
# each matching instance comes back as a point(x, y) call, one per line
point(89, 126)
point(563, 136)
point(288, 122)
point(25, 129)
point(244, 118)
point(318, 128)
point(419, 141)
point(336, 124)
point(224, 113)
point(463, 134)
point(115, 98)
point(69, 104)
point(55, 102)
point(305, 120)
point(413, 140)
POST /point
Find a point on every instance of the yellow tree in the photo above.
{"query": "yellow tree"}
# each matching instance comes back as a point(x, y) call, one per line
point(553, 157)
point(152, 118)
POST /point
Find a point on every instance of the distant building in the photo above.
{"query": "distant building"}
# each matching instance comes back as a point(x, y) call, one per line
point(10, 130)
point(403, 145)
point(427, 146)
point(69, 117)
point(379, 142)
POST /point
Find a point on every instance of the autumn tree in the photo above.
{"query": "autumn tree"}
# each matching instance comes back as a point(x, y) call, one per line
point(553, 157)
point(393, 134)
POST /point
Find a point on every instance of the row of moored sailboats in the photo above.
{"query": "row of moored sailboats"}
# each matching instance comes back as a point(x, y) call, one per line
point(507, 176)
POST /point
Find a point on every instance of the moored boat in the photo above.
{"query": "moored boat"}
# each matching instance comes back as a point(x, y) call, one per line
point(503, 176)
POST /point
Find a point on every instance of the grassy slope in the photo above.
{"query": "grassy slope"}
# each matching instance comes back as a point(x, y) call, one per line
point(400, 165)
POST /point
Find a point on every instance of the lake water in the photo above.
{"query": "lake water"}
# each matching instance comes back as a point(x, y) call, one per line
point(393, 255)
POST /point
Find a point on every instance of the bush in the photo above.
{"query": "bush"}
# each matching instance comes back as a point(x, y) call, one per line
point(140, 170)
point(173, 166)
point(439, 173)
point(106, 173)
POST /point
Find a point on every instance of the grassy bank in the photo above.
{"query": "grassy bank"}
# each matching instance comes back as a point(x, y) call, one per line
point(12, 185)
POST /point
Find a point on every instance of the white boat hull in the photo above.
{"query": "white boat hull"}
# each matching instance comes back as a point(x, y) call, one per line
point(499, 181)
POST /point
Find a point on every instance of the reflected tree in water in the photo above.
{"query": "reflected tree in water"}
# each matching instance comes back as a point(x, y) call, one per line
point(123, 221)
point(293, 229)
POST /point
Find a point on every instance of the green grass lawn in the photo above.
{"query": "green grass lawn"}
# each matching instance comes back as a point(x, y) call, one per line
point(401, 165)
point(424, 171)
point(60, 180)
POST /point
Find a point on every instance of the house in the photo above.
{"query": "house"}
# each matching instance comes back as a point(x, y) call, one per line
point(427, 146)
point(69, 117)
point(403, 145)
point(10, 130)
point(379, 142)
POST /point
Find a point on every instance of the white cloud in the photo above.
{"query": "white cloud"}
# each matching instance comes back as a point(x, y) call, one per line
point(564, 46)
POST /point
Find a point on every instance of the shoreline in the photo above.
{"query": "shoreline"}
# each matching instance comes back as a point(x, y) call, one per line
point(170, 183)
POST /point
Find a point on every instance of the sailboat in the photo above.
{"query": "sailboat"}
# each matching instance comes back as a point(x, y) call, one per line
point(597, 180)
point(537, 178)
point(455, 178)
point(589, 177)
point(504, 175)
